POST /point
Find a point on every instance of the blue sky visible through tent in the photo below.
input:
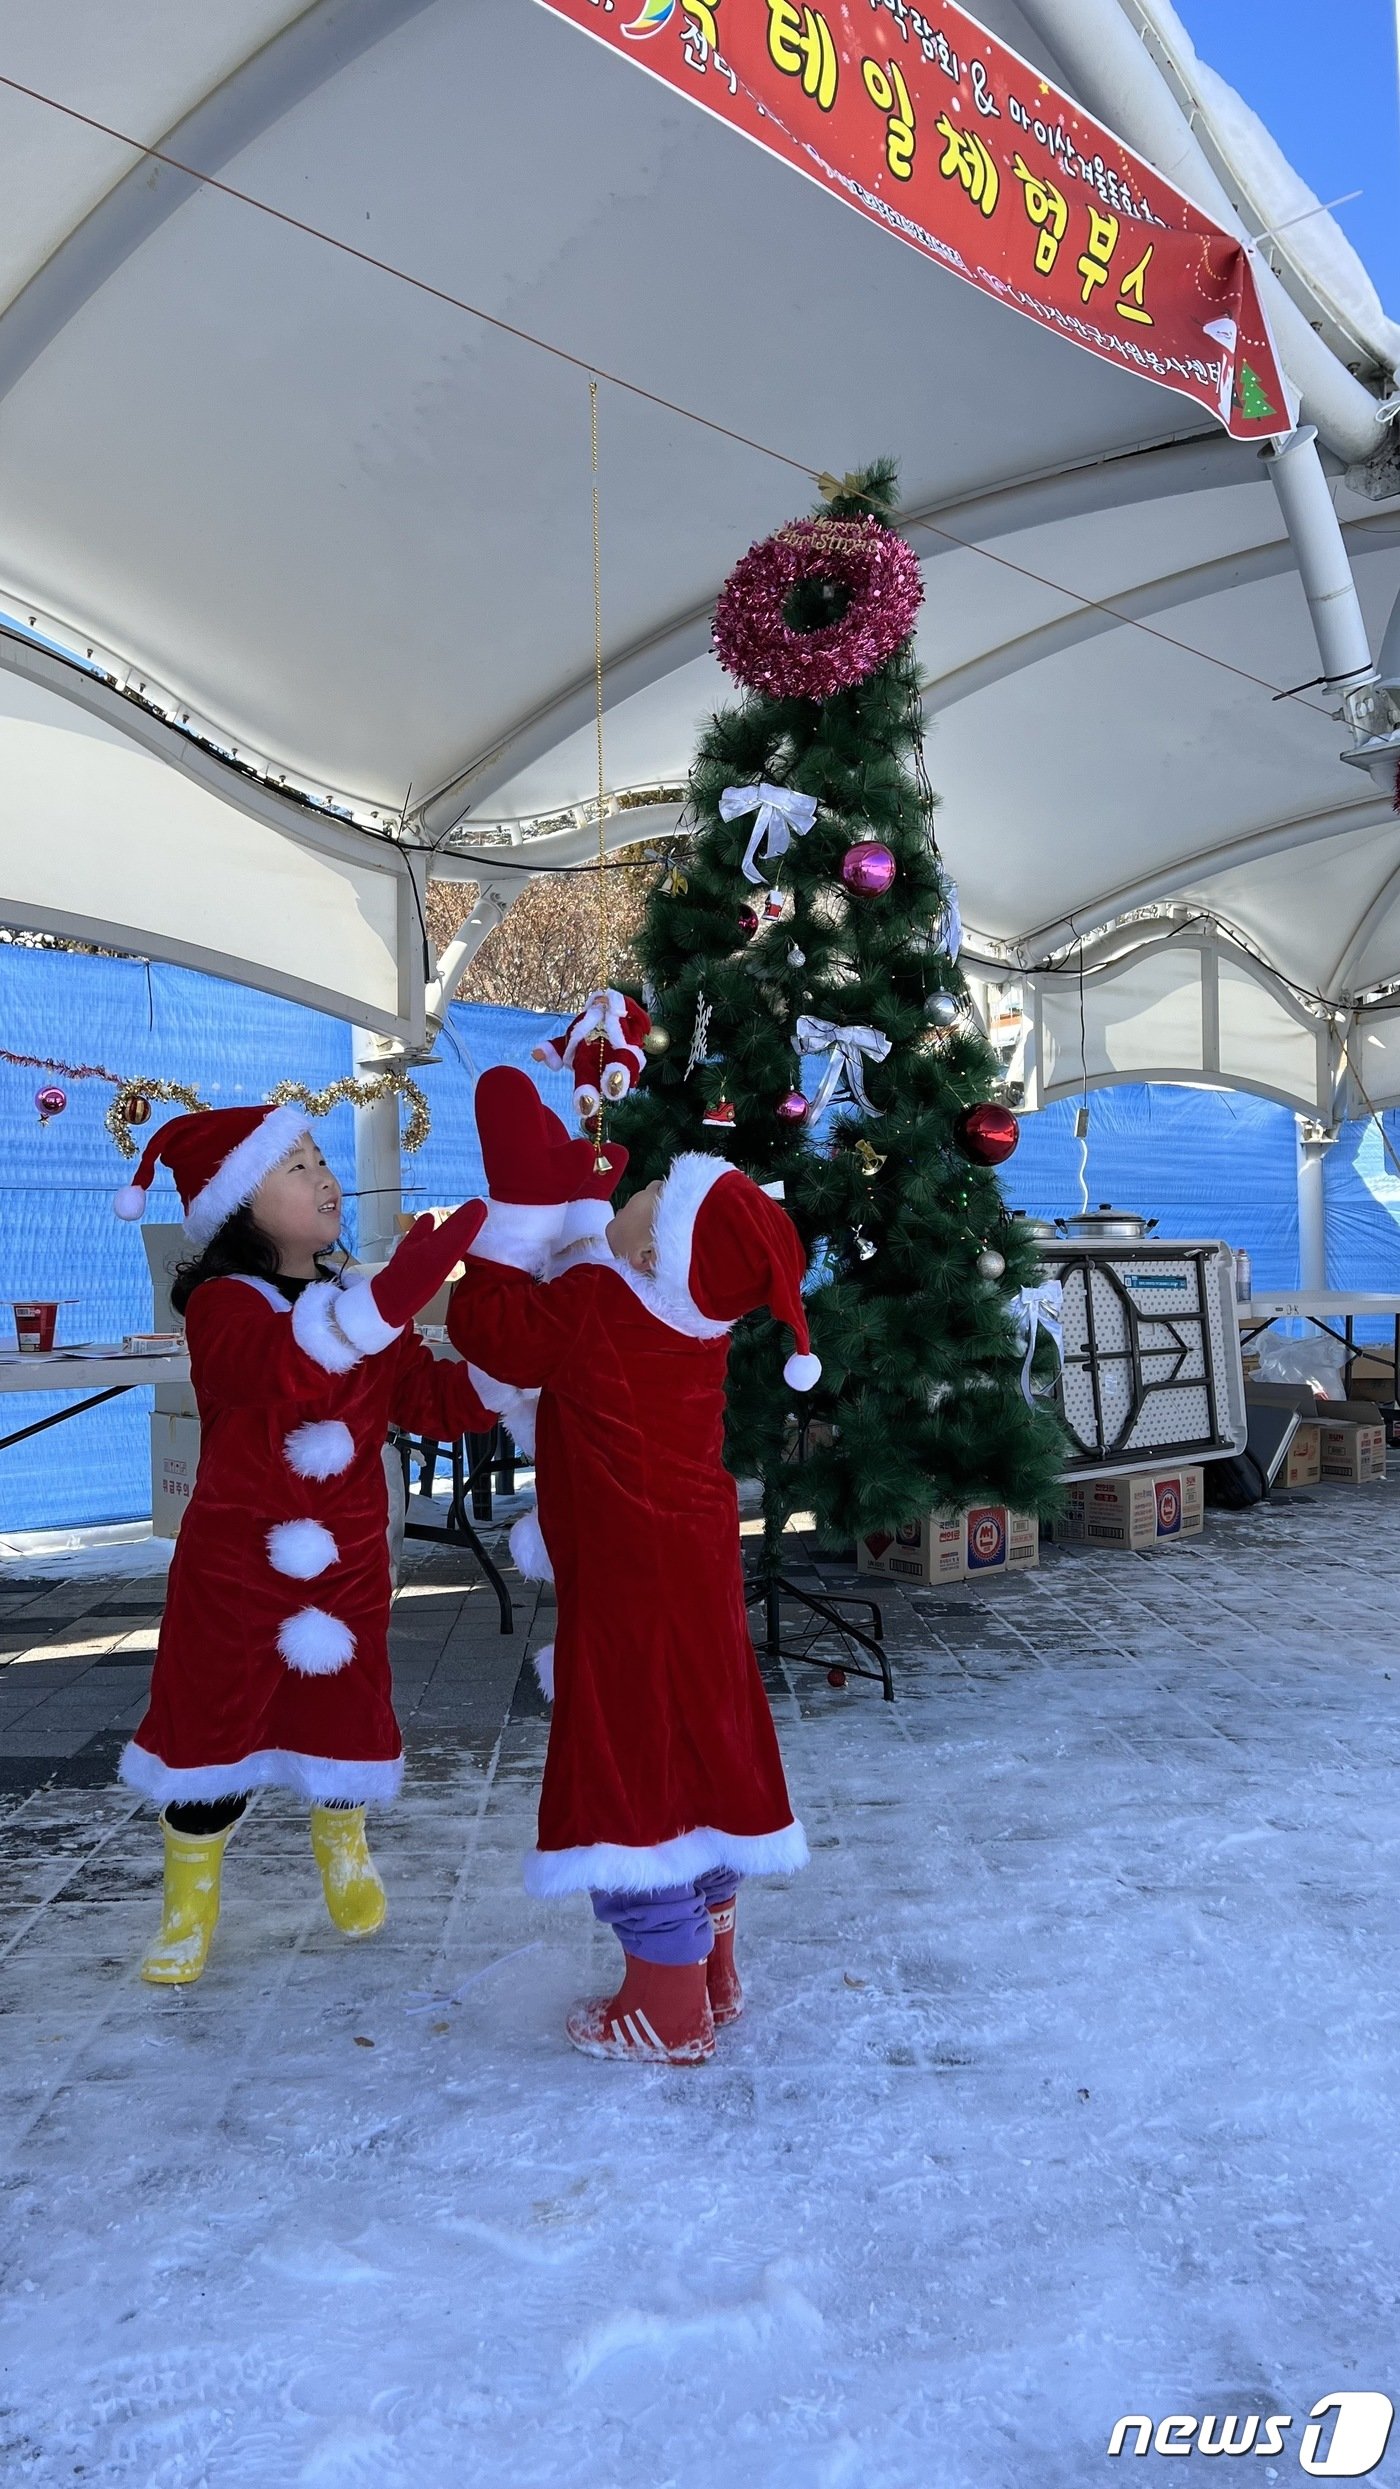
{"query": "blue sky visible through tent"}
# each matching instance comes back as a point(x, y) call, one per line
point(1325, 81)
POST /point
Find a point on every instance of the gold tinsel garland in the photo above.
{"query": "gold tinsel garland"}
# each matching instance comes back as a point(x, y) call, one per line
point(361, 1093)
point(132, 1096)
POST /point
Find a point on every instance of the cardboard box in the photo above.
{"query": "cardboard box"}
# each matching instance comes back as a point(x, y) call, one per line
point(174, 1460)
point(1148, 1508)
point(931, 1550)
point(1303, 1464)
point(1352, 1440)
point(953, 1547)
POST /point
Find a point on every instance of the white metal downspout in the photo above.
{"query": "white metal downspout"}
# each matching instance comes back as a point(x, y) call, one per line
point(378, 1163)
point(1312, 1215)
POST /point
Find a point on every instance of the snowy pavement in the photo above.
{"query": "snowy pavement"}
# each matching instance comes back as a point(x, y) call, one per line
point(1067, 2090)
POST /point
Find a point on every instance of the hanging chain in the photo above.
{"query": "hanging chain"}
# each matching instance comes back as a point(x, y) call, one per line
point(599, 1157)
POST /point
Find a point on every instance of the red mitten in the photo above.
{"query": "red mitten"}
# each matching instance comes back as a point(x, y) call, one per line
point(370, 1316)
point(423, 1262)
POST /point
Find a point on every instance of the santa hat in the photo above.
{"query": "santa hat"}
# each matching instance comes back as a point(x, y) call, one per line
point(723, 1248)
point(218, 1158)
point(544, 1185)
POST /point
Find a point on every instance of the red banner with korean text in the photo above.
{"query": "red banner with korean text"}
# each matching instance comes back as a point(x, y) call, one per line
point(925, 123)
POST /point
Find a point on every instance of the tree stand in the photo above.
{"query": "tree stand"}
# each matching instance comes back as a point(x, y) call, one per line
point(767, 1586)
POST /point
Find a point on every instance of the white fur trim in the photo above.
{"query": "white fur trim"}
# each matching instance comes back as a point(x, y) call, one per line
point(322, 1448)
point(607, 1868)
point(802, 1373)
point(264, 1288)
point(529, 1553)
point(301, 1548)
point(667, 1294)
point(315, 1776)
point(504, 1401)
point(544, 1671)
point(129, 1201)
point(522, 1234)
point(359, 1320)
point(583, 1218)
point(243, 1170)
point(317, 1331)
point(315, 1644)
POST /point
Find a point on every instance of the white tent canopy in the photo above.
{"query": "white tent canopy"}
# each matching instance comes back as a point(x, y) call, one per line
point(297, 552)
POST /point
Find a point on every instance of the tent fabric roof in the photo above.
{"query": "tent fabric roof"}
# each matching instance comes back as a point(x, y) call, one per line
point(342, 525)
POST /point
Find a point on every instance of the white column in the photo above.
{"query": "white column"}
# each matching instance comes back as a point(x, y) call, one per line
point(1319, 548)
point(1312, 1223)
point(378, 1162)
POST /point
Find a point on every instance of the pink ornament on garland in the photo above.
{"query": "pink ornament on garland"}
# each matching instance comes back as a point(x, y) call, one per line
point(50, 1101)
point(866, 560)
point(868, 869)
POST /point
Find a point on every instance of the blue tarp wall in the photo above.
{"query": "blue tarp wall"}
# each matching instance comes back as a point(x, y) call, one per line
point(1204, 1163)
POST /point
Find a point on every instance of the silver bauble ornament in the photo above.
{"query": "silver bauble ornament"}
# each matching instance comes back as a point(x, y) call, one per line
point(941, 1010)
point(990, 1263)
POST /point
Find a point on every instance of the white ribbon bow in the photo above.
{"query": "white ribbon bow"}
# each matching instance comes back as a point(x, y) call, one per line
point(844, 1049)
point(950, 925)
point(1037, 1309)
point(783, 815)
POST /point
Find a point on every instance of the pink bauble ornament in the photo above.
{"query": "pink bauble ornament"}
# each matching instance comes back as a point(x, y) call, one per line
point(50, 1100)
point(792, 1109)
point(986, 1134)
point(868, 869)
point(748, 923)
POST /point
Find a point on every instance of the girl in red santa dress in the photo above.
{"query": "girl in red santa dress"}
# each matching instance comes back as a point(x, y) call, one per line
point(272, 1667)
point(663, 1784)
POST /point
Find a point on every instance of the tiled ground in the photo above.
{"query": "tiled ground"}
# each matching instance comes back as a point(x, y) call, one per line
point(1068, 2088)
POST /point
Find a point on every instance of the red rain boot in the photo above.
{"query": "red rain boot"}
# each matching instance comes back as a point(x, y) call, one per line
point(659, 2016)
point(726, 1992)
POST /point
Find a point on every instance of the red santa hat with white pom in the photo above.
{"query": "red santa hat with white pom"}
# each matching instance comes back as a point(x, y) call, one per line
point(218, 1158)
point(724, 1247)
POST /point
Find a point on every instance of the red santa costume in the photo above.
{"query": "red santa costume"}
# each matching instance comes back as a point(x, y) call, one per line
point(272, 1665)
point(663, 1762)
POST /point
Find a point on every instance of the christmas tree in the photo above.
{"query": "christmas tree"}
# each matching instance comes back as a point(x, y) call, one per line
point(1251, 395)
point(826, 930)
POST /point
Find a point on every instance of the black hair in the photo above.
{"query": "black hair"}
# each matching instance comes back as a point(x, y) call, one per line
point(239, 1248)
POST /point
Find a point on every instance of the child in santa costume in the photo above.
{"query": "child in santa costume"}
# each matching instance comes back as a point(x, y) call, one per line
point(663, 1784)
point(272, 1667)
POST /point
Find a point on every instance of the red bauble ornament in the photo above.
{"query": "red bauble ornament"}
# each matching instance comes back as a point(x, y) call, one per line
point(986, 1134)
point(836, 1677)
point(868, 869)
point(791, 1109)
point(136, 1111)
point(748, 923)
point(50, 1100)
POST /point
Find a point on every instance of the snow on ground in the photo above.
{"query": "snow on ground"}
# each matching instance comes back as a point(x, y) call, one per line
point(1068, 2088)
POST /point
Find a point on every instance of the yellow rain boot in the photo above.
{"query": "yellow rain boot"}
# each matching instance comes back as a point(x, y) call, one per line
point(193, 1862)
point(349, 1876)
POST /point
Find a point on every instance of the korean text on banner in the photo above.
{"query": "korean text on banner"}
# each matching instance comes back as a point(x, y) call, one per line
point(923, 122)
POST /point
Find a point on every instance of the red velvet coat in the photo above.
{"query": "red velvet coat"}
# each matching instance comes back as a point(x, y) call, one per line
point(273, 1662)
point(662, 1761)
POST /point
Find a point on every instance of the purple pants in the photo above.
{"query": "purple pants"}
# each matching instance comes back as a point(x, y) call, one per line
point(671, 1926)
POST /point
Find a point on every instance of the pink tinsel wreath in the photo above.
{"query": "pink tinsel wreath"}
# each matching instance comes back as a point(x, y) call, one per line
point(759, 648)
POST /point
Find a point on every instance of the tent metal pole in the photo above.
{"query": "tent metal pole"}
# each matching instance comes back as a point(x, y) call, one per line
point(1312, 1222)
point(378, 1162)
point(1305, 498)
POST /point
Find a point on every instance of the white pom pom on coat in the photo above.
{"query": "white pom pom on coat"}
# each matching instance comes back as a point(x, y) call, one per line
point(801, 1373)
point(529, 1553)
point(315, 1644)
point(322, 1448)
point(301, 1549)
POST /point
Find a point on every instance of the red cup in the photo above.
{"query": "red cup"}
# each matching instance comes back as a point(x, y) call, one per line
point(36, 1320)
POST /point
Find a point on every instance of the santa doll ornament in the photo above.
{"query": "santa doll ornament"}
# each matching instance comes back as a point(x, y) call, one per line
point(603, 1048)
point(663, 1784)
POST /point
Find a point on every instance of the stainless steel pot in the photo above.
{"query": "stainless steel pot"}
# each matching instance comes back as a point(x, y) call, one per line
point(1044, 1231)
point(1105, 1226)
